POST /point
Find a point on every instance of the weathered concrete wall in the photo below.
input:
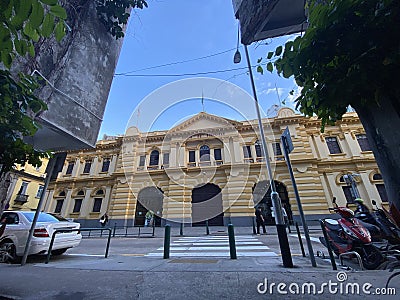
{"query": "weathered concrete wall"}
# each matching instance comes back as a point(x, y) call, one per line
point(82, 68)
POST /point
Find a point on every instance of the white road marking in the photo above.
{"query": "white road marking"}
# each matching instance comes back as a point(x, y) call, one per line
point(215, 246)
point(311, 238)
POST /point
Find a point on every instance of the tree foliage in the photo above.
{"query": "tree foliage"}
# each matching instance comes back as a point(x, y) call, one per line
point(350, 54)
point(115, 14)
point(22, 23)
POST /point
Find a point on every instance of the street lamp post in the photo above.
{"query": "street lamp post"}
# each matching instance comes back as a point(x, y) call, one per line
point(276, 201)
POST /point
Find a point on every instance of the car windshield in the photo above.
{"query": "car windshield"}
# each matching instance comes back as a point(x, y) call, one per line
point(43, 217)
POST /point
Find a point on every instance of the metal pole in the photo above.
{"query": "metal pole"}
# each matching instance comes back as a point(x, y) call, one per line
point(299, 205)
point(207, 229)
point(52, 162)
point(300, 240)
point(328, 245)
point(276, 201)
point(232, 245)
point(167, 241)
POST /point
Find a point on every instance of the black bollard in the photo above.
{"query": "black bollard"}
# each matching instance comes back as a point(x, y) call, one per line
point(167, 241)
point(181, 230)
point(232, 245)
point(207, 229)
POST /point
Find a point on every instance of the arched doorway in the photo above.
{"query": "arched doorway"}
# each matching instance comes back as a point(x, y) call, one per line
point(207, 205)
point(150, 198)
point(262, 198)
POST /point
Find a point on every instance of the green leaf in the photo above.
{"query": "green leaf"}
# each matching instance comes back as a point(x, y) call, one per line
point(59, 31)
point(23, 8)
point(5, 39)
point(260, 70)
point(49, 2)
point(31, 50)
point(270, 67)
point(287, 71)
point(278, 51)
point(270, 54)
point(58, 11)
point(4, 4)
point(6, 59)
point(31, 32)
point(19, 46)
point(37, 14)
point(7, 10)
point(48, 25)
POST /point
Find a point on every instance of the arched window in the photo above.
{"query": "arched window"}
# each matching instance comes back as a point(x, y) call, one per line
point(204, 153)
point(61, 194)
point(154, 158)
point(377, 176)
point(100, 192)
point(80, 193)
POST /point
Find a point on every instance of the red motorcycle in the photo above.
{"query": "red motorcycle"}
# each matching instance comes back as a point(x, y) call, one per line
point(348, 234)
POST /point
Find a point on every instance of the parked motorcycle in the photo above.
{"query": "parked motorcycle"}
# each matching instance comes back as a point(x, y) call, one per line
point(348, 234)
point(388, 229)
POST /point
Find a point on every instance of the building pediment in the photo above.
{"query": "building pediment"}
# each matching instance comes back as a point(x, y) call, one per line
point(204, 121)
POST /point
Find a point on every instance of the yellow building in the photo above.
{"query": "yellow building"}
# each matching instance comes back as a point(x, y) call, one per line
point(212, 168)
point(26, 186)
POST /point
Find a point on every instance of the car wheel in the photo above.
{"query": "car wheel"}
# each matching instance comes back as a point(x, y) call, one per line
point(58, 251)
point(8, 252)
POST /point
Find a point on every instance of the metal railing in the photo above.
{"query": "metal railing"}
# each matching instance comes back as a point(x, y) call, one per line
point(126, 231)
point(53, 236)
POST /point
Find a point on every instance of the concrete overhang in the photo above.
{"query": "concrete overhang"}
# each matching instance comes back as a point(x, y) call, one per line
point(262, 19)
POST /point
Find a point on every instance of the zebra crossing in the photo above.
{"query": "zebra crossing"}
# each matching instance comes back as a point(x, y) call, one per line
point(215, 246)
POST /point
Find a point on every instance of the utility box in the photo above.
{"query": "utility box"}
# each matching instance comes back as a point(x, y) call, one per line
point(262, 19)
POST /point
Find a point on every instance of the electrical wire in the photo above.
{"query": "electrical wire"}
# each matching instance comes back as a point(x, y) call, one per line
point(183, 74)
point(174, 63)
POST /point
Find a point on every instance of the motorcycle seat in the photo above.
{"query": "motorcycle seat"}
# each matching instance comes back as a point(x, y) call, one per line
point(332, 224)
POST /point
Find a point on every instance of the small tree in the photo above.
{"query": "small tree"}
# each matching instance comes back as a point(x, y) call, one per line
point(350, 55)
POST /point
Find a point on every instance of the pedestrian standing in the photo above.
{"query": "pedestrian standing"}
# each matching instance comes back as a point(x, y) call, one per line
point(104, 220)
point(260, 221)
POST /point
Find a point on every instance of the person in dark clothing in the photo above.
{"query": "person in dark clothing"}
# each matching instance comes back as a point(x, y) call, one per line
point(104, 220)
point(260, 221)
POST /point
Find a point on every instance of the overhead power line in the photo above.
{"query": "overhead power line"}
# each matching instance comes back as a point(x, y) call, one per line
point(183, 74)
point(174, 63)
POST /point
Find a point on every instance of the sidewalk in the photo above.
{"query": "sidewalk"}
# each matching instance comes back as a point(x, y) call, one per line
point(139, 277)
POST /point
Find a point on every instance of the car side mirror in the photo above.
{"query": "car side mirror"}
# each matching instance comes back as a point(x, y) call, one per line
point(10, 220)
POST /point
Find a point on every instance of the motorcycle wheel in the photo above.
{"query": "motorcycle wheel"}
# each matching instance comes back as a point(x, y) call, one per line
point(371, 257)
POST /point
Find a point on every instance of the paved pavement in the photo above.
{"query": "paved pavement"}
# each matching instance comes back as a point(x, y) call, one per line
point(199, 268)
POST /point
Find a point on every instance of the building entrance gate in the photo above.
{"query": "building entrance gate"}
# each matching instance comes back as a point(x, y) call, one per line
point(262, 198)
point(150, 198)
point(207, 205)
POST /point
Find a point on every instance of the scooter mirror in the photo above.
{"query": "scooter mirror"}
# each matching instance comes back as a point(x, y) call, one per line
point(373, 202)
point(334, 200)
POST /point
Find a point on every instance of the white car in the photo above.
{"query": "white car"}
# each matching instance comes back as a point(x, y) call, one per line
point(17, 228)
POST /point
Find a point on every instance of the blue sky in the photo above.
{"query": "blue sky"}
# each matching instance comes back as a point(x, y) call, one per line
point(180, 30)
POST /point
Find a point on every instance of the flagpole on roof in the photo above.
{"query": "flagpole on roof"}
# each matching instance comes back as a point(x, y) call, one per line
point(202, 100)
